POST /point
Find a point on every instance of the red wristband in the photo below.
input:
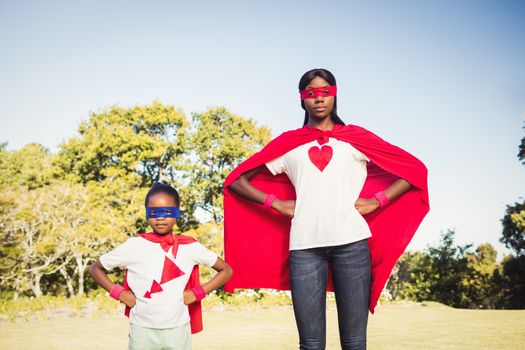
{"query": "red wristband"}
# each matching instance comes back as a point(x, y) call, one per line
point(199, 292)
point(269, 200)
point(115, 291)
point(382, 199)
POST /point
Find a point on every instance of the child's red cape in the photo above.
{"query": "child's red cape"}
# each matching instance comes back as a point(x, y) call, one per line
point(195, 309)
point(256, 239)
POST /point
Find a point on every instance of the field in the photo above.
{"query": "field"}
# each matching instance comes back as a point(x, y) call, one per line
point(394, 326)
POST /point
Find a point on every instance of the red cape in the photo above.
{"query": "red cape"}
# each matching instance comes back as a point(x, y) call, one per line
point(195, 309)
point(256, 240)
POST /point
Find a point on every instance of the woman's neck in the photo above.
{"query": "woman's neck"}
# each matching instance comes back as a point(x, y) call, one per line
point(322, 124)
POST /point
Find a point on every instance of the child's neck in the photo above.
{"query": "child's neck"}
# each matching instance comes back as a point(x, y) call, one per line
point(163, 234)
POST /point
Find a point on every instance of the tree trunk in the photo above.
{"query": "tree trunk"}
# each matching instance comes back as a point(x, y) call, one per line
point(81, 266)
point(69, 281)
point(35, 284)
point(81, 282)
point(16, 294)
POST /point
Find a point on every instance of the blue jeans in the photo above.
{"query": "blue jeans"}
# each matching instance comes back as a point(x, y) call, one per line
point(351, 276)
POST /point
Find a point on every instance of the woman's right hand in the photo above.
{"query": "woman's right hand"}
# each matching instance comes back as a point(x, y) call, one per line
point(128, 298)
point(287, 208)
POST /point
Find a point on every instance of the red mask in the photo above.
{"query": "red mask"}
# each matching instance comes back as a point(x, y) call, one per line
point(320, 91)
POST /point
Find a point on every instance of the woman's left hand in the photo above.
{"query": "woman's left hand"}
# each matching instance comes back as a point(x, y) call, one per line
point(366, 205)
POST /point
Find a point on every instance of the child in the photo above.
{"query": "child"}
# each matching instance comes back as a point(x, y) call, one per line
point(161, 289)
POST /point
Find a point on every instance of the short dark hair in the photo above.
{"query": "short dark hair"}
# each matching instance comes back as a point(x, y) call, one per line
point(160, 187)
point(329, 77)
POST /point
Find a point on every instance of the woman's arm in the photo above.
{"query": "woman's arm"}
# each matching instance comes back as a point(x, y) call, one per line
point(245, 189)
point(224, 273)
point(395, 190)
point(96, 270)
point(368, 205)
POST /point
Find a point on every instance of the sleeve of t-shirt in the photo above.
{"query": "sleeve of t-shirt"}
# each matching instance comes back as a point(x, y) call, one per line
point(121, 256)
point(360, 155)
point(276, 166)
point(202, 255)
point(363, 156)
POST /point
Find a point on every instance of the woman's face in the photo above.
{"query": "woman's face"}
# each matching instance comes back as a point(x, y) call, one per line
point(319, 107)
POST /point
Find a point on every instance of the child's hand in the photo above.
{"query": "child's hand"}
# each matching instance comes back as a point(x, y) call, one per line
point(128, 298)
point(189, 297)
point(366, 205)
point(287, 208)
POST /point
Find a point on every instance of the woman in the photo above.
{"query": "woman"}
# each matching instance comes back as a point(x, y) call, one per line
point(354, 201)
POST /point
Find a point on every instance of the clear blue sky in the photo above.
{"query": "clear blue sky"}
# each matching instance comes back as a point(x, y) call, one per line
point(443, 79)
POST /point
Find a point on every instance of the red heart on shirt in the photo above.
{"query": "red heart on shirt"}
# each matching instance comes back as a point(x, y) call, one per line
point(320, 157)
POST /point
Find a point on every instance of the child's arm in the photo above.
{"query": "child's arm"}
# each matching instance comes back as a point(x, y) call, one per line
point(224, 273)
point(97, 271)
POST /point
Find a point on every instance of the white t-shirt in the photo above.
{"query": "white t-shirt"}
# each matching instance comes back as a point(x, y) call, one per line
point(145, 262)
point(325, 214)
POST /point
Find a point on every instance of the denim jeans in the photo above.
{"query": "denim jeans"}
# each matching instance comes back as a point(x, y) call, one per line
point(351, 277)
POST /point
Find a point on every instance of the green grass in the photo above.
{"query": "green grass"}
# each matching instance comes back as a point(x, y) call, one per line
point(394, 326)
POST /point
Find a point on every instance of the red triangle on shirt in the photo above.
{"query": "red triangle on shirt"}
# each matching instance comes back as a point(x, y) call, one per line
point(155, 287)
point(147, 295)
point(170, 271)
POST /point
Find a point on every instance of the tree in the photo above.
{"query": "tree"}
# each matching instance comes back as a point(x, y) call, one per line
point(511, 282)
point(142, 140)
point(122, 151)
point(86, 227)
point(447, 273)
point(29, 226)
point(412, 278)
point(143, 144)
point(59, 211)
point(510, 276)
point(513, 235)
point(449, 266)
point(53, 229)
point(481, 266)
point(30, 166)
point(220, 141)
point(11, 276)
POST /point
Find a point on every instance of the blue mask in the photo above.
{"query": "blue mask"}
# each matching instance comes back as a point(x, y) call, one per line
point(162, 212)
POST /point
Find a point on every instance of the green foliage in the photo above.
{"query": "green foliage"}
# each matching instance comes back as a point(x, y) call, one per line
point(249, 297)
point(411, 278)
point(125, 150)
point(510, 278)
point(449, 267)
point(28, 167)
point(142, 140)
point(97, 303)
point(513, 235)
point(221, 140)
point(59, 212)
point(479, 282)
point(47, 306)
point(447, 273)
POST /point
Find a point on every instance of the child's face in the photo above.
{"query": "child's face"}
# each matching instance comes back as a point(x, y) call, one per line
point(160, 225)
